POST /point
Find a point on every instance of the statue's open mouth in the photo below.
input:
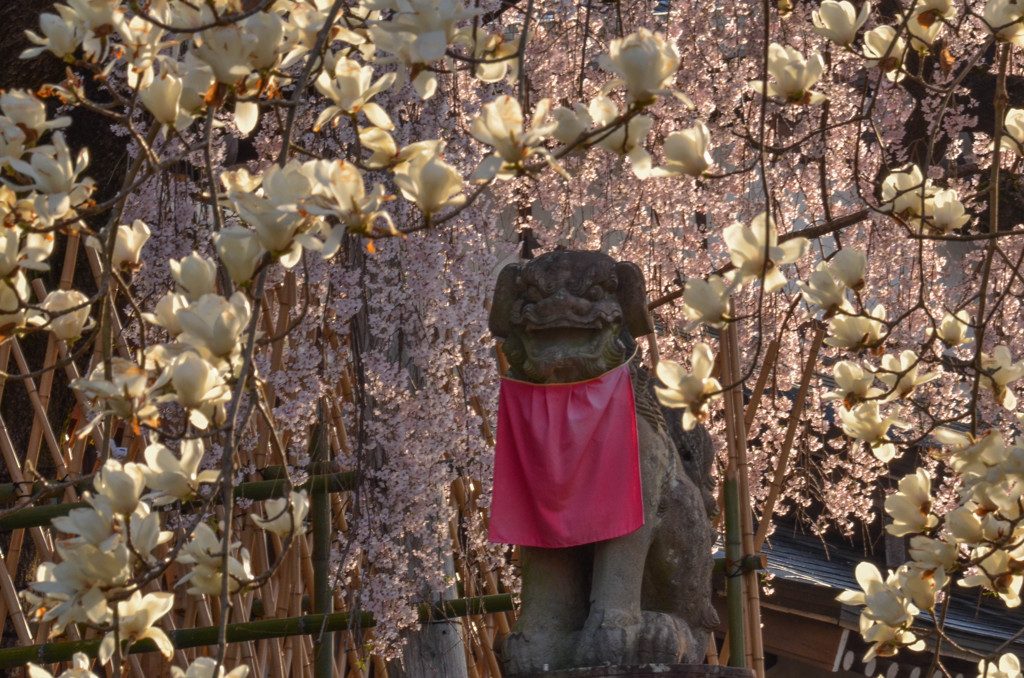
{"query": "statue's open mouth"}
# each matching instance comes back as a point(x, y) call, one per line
point(572, 338)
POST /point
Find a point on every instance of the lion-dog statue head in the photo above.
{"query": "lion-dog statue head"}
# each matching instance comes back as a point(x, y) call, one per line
point(562, 315)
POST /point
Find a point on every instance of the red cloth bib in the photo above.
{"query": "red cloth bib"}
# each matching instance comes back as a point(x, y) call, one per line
point(567, 462)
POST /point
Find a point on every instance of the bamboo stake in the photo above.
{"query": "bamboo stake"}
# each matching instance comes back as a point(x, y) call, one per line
point(770, 356)
point(10, 595)
point(323, 528)
point(735, 648)
point(40, 413)
point(778, 479)
point(738, 441)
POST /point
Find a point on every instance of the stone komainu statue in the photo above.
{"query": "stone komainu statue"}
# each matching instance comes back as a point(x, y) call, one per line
point(643, 597)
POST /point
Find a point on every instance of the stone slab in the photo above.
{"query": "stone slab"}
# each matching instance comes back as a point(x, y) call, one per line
point(648, 671)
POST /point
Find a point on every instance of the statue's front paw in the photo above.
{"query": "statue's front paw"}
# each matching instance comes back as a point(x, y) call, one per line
point(663, 639)
point(525, 652)
point(609, 637)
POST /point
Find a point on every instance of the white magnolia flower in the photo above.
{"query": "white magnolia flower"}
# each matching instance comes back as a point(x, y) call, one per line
point(198, 386)
point(128, 244)
point(885, 640)
point(240, 251)
point(824, 293)
point(707, 301)
point(197, 79)
point(1008, 666)
point(839, 21)
point(174, 480)
point(145, 533)
point(79, 665)
point(500, 125)
point(857, 332)
point(26, 111)
point(54, 174)
point(204, 552)
point(933, 555)
point(952, 331)
point(227, 50)
point(162, 98)
point(646, 63)
point(756, 253)
point(910, 507)
point(215, 324)
point(350, 86)
point(128, 395)
point(14, 293)
point(900, 374)
point(998, 572)
point(1013, 131)
point(569, 125)
point(853, 384)
point(998, 372)
point(926, 22)
point(381, 145)
point(692, 391)
point(686, 152)
point(1004, 18)
point(206, 667)
point(906, 193)
point(120, 485)
point(135, 620)
point(947, 212)
point(166, 312)
point(427, 180)
point(61, 34)
point(195, 275)
point(920, 585)
point(848, 267)
point(626, 139)
point(339, 191)
point(66, 314)
point(420, 30)
point(284, 515)
point(95, 525)
point(497, 56)
point(885, 49)
point(883, 601)
point(273, 210)
point(864, 422)
point(793, 75)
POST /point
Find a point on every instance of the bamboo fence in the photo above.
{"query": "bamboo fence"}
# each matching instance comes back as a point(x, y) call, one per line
point(271, 628)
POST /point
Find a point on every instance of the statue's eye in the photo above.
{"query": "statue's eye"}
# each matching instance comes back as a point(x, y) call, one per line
point(596, 293)
point(533, 294)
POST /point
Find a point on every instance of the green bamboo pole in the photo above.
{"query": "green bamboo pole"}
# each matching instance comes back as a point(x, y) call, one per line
point(49, 653)
point(37, 516)
point(733, 582)
point(323, 529)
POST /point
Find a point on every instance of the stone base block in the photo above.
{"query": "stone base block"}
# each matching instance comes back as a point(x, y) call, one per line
point(648, 671)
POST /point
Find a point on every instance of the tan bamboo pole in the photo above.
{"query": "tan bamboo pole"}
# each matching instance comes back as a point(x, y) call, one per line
point(470, 652)
point(770, 356)
point(779, 477)
point(14, 469)
point(10, 596)
point(46, 380)
point(40, 414)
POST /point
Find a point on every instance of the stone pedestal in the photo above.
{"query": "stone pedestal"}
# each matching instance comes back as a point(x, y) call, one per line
point(648, 671)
